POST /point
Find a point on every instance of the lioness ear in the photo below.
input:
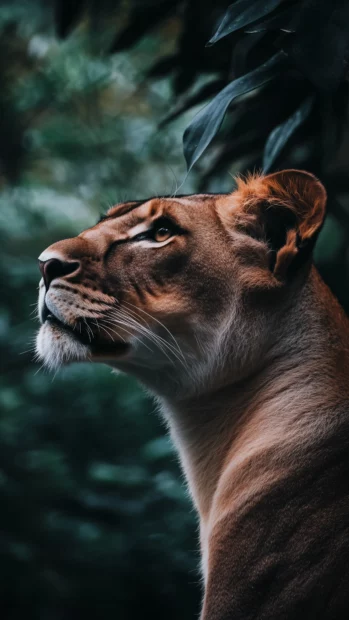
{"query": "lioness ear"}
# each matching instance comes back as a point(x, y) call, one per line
point(286, 209)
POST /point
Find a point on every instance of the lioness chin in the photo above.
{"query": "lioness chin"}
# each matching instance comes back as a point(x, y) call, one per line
point(213, 303)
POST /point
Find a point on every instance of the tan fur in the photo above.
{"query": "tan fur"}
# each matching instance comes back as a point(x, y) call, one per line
point(231, 327)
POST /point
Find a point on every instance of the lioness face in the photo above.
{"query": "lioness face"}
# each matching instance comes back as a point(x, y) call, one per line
point(138, 289)
point(162, 289)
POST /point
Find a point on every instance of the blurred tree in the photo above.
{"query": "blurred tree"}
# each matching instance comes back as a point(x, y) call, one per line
point(95, 520)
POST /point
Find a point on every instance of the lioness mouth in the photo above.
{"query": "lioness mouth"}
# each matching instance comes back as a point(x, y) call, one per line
point(86, 334)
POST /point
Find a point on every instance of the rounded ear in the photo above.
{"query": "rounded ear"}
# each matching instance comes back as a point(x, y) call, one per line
point(286, 209)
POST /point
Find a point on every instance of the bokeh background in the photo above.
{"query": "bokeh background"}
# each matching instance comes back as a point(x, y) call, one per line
point(95, 520)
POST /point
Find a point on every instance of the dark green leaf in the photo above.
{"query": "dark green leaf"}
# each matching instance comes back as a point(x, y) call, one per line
point(282, 133)
point(242, 13)
point(207, 122)
point(203, 94)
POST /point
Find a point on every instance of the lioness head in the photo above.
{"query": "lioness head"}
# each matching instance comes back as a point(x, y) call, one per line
point(181, 291)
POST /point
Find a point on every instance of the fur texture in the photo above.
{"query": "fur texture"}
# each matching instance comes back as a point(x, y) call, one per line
point(212, 302)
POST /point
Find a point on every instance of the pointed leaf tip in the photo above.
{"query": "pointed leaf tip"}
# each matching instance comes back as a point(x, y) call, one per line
point(240, 14)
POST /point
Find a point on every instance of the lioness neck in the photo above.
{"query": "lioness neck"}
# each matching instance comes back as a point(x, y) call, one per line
point(231, 438)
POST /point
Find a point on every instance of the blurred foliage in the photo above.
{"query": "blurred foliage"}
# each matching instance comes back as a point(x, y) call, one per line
point(95, 519)
point(94, 99)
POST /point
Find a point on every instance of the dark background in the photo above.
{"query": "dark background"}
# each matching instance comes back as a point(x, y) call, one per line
point(95, 520)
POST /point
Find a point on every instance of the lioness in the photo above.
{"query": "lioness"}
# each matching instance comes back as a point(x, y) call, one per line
point(213, 303)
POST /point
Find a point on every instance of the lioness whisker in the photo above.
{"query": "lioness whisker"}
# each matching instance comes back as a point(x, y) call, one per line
point(130, 321)
point(157, 336)
point(112, 324)
point(161, 342)
point(156, 321)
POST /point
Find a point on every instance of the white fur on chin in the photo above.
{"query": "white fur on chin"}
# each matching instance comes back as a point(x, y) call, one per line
point(56, 347)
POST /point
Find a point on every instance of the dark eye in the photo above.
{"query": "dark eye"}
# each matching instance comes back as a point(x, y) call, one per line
point(162, 229)
point(161, 232)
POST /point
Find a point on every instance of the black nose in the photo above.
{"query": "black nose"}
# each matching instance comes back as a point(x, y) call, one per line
point(55, 268)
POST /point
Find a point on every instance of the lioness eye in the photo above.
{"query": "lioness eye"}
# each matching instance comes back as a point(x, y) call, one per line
point(161, 230)
point(162, 234)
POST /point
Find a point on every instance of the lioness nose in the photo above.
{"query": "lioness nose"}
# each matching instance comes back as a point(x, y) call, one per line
point(55, 268)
